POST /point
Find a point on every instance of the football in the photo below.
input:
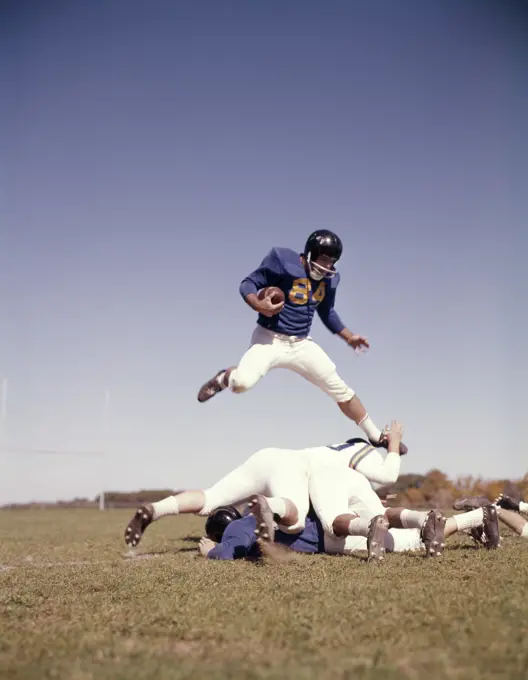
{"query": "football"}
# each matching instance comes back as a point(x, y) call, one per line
point(272, 292)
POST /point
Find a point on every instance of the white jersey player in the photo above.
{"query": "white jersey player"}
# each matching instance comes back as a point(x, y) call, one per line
point(278, 474)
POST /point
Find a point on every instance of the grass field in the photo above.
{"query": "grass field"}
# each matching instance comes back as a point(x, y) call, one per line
point(74, 606)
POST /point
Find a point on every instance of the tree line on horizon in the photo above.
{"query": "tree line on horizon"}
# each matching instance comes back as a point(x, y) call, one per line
point(433, 489)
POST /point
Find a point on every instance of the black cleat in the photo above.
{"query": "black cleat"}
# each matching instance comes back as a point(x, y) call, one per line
point(510, 498)
point(433, 533)
point(211, 387)
point(377, 532)
point(477, 534)
point(507, 503)
point(470, 503)
point(137, 525)
point(265, 525)
point(491, 527)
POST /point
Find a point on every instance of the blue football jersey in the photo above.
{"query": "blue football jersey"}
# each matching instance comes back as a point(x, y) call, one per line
point(283, 267)
point(239, 539)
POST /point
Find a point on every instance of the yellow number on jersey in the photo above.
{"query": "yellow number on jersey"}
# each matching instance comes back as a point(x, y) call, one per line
point(319, 294)
point(300, 291)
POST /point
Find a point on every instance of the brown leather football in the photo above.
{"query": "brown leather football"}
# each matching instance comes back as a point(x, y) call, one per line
point(272, 292)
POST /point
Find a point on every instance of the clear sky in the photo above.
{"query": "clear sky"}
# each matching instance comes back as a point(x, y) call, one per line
point(150, 155)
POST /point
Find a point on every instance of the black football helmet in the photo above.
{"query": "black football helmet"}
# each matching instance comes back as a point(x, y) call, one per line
point(322, 242)
point(218, 521)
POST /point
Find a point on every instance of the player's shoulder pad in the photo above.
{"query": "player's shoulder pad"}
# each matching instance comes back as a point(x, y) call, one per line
point(285, 255)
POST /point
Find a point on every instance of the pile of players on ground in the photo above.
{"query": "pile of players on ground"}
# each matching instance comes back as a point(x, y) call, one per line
point(322, 500)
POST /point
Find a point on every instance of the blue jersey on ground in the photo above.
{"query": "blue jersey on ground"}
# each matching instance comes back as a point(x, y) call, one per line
point(282, 267)
point(239, 539)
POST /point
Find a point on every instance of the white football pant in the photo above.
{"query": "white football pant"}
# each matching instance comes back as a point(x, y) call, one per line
point(271, 472)
point(335, 491)
point(274, 350)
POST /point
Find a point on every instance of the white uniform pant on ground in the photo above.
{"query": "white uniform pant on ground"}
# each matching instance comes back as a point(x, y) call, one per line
point(396, 540)
point(274, 350)
point(271, 472)
point(336, 490)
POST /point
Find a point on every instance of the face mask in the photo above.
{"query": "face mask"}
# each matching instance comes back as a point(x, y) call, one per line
point(318, 272)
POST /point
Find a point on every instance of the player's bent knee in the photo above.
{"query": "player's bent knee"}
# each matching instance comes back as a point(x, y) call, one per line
point(294, 528)
point(338, 389)
point(242, 382)
point(211, 501)
point(327, 523)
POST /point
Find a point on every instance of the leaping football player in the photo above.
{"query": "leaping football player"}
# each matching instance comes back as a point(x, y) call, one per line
point(307, 282)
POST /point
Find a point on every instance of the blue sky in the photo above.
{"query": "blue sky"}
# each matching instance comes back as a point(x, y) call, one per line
point(151, 154)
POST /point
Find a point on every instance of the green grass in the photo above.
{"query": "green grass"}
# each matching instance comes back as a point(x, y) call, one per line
point(73, 606)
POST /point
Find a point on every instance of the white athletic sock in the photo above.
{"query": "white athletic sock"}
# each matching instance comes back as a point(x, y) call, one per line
point(168, 506)
point(412, 519)
point(370, 429)
point(220, 379)
point(524, 532)
point(523, 507)
point(358, 527)
point(469, 520)
point(277, 506)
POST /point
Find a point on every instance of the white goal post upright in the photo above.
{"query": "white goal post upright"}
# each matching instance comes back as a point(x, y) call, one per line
point(101, 453)
point(3, 415)
point(106, 443)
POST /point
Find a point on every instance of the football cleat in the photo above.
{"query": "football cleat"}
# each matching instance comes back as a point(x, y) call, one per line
point(259, 507)
point(477, 534)
point(377, 531)
point(507, 503)
point(137, 525)
point(470, 503)
point(491, 527)
point(433, 533)
point(510, 498)
point(211, 387)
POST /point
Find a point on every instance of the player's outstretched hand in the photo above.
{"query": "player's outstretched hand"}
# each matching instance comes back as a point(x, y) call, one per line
point(394, 433)
point(358, 342)
point(267, 308)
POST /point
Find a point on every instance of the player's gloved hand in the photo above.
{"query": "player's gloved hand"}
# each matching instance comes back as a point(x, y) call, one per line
point(267, 308)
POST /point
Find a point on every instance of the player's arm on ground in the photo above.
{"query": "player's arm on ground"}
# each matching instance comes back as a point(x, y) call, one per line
point(269, 273)
point(331, 320)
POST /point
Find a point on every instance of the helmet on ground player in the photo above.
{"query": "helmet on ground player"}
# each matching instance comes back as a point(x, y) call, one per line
point(322, 243)
point(218, 521)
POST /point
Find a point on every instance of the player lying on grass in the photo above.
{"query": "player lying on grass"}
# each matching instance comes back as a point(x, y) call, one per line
point(230, 536)
point(342, 498)
point(346, 505)
point(509, 505)
point(308, 282)
point(277, 473)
